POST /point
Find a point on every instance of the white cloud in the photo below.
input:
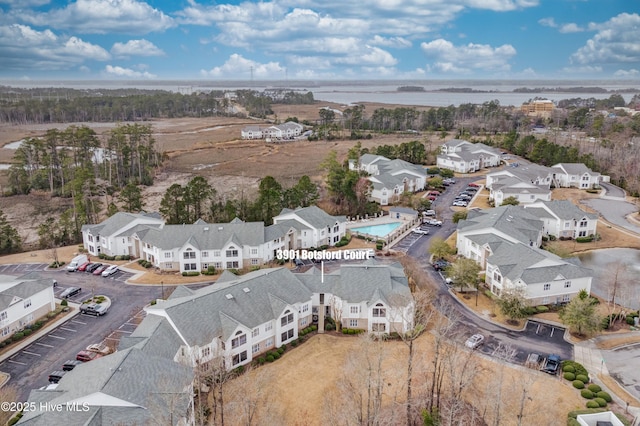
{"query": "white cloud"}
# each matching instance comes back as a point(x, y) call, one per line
point(22, 47)
point(116, 71)
point(397, 42)
point(632, 73)
point(616, 42)
point(464, 59)
point(548, 22)
point(102, 16)
point(238, 67)
point(587, 69)
point(140, 47)
point(501, 5)
point(570, 28)
point(24, 3)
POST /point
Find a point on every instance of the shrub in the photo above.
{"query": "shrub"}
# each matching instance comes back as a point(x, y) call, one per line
point(329, 327)
point(275, 355)
point(17, 336)
point(294, 343)
point(300, 339)
point(27, 332)
point(64, 302)
point(569, 376)
point(601, 402)
point(542, 309)
point(270, 358)
point(239, 370)
point(594, 388)
point(592, 404)
point(583, 378)
point(604, 395)
point(313, 327)
point(530, 310)
point(261, 360)
point(552, 237)
point(280, 350)
point(379, 246)
point(578, 384)
point(190, 273)
point(578, 368)
point(568, 368)
point(345, 331)
point(586, 393)
point(584, 239)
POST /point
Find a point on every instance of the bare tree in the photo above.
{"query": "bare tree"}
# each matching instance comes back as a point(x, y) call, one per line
point(504, 354)
point(248, 399)
point(8, 393)
point(617, 285)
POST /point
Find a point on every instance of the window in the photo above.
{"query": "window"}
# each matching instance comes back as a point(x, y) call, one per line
point(582, 234)
point(583, 224)
point(303, 321)
point(268, 326)
point(167, 255)
point(190, 254)
point(286, 319)
point(27, 303)
point(238, 358)
point(232, 253)
point(567, 284)
point(217, 265)
point(90, 248)
point(254, 261)
point(286, 335)
point(336, 228)
point(216, 253)
point(254, 251)
point(353, 323)
point(231, 265)
point(168, 265)
point(567, 225)
point(305, 308)
point(206, 352)
point(205, 254)
point(239, 341)
point(268, 343)
point(566, 298)
point(379, 311)
point(255, 332)
point(255, 348)
point(497, 277)
point(5, 331)
point(189, 266)
point(354, 309)
point(547, 287)
point(378, 326)
point(90, 238)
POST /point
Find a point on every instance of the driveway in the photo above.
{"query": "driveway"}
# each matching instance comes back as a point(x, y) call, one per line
point(30, 367)
point(613, 207)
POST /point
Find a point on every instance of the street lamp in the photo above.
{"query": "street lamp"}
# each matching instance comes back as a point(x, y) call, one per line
point(162, 285)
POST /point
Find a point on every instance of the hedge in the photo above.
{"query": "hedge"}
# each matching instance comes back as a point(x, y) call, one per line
point(542, 308)
point(592, 404)
point(601, 402)
point(583, 378)
point(569, 376)
point(604, 395)
point(578, 384)
point(584, 239)
point(568, 368)
point(594, 388)
point(586, 393)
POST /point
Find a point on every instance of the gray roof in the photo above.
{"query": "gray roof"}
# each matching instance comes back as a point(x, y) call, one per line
point(566, 210)
point(154, 336)
point(22, 290)
point(249, 300)
point(575, 168)
point(313, 215)
point(403, 210)
point(534, 265)
point(206, 236)
point(513, 221)
point(118, 221)
point(112, 386)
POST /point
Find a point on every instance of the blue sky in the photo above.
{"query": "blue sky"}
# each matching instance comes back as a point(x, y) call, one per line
point(319, 39)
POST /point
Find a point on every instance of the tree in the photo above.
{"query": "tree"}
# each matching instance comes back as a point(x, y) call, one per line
point(172, 205)
point(302, 194)
point(269, 202)
point(580, 315)
point(440, 249)
point(459, 215)
point(510, 201)
point(131, 197)
point(464, 272)
point(196, 193)
point(10, 240)
point(512, 303)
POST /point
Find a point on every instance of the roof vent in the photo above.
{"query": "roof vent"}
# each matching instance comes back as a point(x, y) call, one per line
point(220, 228)
point(206, 228)
point(229, 296)
point(246, 290)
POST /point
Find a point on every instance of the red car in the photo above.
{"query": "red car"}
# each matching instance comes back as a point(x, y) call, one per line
point(84, 266)
point(431, 198)
point(436, 193)
point(86, 356)
point(100, 269)
point(475, 185)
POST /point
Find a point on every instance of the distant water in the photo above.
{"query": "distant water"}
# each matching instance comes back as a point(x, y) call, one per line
point(350, 92)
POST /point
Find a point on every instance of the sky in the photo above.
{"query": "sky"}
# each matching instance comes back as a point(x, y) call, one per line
point(319, 39)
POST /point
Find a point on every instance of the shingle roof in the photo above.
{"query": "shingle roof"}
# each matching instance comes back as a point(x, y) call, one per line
point(119, 221)
point(313, 215)
point(207, 236)
point(566, 210)
point(22, 290)
point(510, 220)
point(575, 168)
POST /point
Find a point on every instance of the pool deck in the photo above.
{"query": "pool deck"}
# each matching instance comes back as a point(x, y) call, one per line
point(391, 238)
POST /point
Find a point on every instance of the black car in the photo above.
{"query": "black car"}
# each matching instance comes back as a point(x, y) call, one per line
point(471, 189)
point(440, 264)
point(56, 376)
point(71, 291)
point(91, 268)
point(70, 364)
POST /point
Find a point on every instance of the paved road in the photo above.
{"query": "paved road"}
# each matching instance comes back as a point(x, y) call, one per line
point(30, 367)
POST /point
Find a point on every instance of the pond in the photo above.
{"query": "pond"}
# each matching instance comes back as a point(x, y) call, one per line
point(604, 263)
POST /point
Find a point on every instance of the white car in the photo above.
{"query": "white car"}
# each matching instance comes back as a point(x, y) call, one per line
point(420, 231)
point(112, 269)
point(474, 341)
point(460, 203)
point(433, 222)
point(429, 213)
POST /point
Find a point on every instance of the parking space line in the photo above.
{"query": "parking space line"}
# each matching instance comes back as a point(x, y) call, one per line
point(68, 329)
point(57, 337)
point(78, 322)
point(122, 331)
point(31, 353)
point(44, 344)
point(17, 362)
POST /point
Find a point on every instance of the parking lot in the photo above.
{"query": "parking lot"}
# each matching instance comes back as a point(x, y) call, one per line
point(22, 268)
point(404, 244)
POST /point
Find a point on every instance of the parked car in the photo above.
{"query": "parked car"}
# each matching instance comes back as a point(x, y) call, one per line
point(420, 231)
point(431, 198)
point(100, 348)
point(70, 364)
point(298, 262)
point(429, 213)
point(84, 266)
point(93, 267)
point(471, 188)
point(71, 291)
point(475, 341)
point(440, 264)
point(77, 261)
point(433, 222)
point(100, 269)
point(56, 376)
point(436, 193)
point(474, 185)
point(552, 364)
point(96, 309)
point(460, 203)
point(112, 269)
point(86, 356)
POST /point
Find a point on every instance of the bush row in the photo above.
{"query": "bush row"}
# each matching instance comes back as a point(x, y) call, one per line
point(343, 241)
point(352, 331)
point(190, 273)
point(307, 330)
point(29, 329)
point(118, 257)
point(54, 265)
point(145, 263)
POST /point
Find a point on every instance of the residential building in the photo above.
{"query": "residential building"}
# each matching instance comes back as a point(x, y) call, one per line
point(538, 108)
point(390, 178)
point(197, 246)
point(563, 219)
point(527, 183)
point(466, 157)
point(576, 175)
point(128, 387)
point(284, 131)
point(606, 418)
point(404, 213)
point(505, 242)
point(23, 301)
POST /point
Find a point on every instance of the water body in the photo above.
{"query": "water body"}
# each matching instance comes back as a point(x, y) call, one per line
point(378, 230)
point(603, 262)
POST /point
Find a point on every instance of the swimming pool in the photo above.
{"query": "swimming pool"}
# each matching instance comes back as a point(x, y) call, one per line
point(377, 230)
